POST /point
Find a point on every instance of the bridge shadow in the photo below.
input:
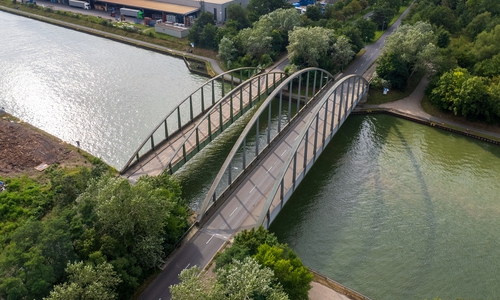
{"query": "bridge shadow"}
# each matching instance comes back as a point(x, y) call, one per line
point(311, 190)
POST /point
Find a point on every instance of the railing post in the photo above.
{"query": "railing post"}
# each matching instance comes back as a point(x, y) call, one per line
point(306, 141)
point(258, 89)
point(279, 111)
point(341, 100)
point(314, 84)
point(223, 92)
point(316, 137)
point(294, 176)
point(250, 94)
point(179, 117)
point(152, 142)
point(269, 123)
point(307, 87)
point(321, 80)
point(232, 81)
point(221, 121)
point(231, 110)
point(241, 100)
point(191, 107)
point(257, 139)
point(213, 92)
point(290, 101)
point(298, 95)
point(197, 139)
point(244, 153)
point(210, 126)
point(166, 128)
point(202, 100)
point(229, 179)
point(267, 82)
point(325, 121)
point(334, 109)
point(184, 152)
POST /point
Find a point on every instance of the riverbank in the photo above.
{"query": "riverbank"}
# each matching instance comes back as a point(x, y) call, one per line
point(410, 108)
point(134, 39)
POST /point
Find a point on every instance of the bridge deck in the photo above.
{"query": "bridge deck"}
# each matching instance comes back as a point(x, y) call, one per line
point(242, 208)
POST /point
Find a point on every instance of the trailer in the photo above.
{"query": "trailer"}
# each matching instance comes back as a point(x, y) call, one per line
point(80, 4)
point(131, 12)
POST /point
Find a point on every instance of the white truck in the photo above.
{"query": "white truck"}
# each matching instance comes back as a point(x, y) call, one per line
point(129, 12)
point(80, 4)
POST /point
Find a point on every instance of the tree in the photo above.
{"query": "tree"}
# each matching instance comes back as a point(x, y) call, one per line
point(487, 44)
point(258, 8)
point(288, 269)
point(446, 94)
point(366, 28)
point(393, 68)
point(87, 282)
point(342, 52)
point(192, 287)
point(415, 46)
point(444, 17)
point(195, 33)
point(237, 13)
point(309, 45)
point(381, 16)
point(248, 280)
point(313, 12)
point(227, 51)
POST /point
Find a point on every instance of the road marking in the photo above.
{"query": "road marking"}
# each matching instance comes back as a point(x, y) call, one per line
point(252, 189)
point(362, 64)
point(269, 169)
point(283, 153)
point(355, 70)
point(298, 136)
point(233, 211)
point(210, 239)
point(186, 267)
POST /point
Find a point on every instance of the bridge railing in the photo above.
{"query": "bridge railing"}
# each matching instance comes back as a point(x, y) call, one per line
point(191, 108)
point(297, 90)
point(222, 115)
point(326, 118)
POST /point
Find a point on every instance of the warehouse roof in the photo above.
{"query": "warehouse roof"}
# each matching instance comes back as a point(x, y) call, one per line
point(155, 5)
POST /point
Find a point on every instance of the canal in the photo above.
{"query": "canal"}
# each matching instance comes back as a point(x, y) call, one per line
point(393, 209)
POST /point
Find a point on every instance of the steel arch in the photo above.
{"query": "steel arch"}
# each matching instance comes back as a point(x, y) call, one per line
point(323, 79)
point(303, 138)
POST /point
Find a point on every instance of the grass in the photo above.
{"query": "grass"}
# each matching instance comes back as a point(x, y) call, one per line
point(375, 95)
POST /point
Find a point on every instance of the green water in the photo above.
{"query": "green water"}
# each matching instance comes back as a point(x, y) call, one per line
point(398, 210)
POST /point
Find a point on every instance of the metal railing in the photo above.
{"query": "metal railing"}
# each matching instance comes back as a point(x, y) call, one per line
point(326, 118)
point(300, 88)
point(222, 115)
point(188, 110)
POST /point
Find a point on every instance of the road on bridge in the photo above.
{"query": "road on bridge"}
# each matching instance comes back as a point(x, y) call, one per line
point(243, 211)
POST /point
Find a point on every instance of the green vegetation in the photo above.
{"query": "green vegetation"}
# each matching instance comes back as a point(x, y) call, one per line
point(458, 43)
point(93, 235)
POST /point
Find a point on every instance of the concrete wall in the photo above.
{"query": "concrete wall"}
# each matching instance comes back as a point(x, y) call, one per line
point(171, 30)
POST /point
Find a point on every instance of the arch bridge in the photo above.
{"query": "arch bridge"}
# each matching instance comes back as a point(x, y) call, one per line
point(268, 162)
point(200, 117)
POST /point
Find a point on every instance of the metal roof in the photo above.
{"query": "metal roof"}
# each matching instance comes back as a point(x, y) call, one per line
point(155, 5)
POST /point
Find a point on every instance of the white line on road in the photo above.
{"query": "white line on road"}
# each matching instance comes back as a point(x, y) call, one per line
point(355, 70)
point(210, 239)
point(283, 153)
point(362, 64)
point(186, 267)
point(269, 169)
point(233, 211)
point(252, 189)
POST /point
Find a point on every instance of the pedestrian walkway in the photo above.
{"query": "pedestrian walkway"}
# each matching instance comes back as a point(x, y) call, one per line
point(411, 107)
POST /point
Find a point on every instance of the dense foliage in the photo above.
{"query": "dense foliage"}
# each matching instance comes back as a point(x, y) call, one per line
point(466, 68)
point(263, 246)
point(81, 227)
point(257, 34)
